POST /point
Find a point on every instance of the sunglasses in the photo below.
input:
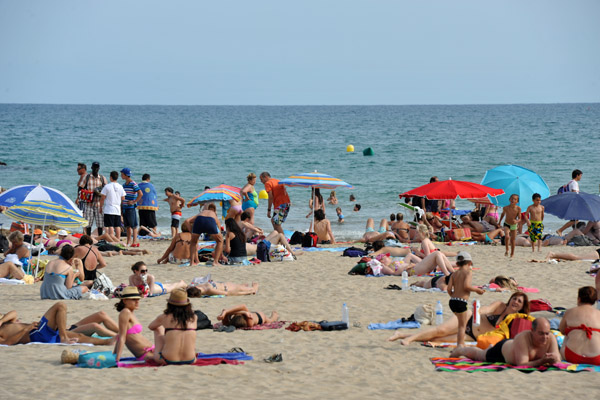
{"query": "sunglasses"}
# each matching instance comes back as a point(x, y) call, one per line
point(143, 271)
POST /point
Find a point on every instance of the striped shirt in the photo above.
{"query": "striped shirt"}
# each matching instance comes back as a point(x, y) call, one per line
point(131, 193)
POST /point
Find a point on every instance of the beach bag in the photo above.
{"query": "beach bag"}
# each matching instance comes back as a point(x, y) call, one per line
point(425, 314)
point(310, 239)
point(333, 325)
point(280, 253)
point(203, 321)
point(360, 269)
point(103, 284)
point(580, 240)
point(19, 226)
point(100, 359)
point(563, 189)
point(297, 238)
point(540, 305)
point(354, 252)
point(4, 245)
point(262, 252)
point(458, 234)
point(519, 325)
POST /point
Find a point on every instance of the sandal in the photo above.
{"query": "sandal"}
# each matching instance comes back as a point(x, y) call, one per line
point(236, 350)
point(274, 358)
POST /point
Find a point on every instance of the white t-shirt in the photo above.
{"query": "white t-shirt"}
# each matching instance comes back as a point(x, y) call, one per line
point(574, 186)
point(114, 193)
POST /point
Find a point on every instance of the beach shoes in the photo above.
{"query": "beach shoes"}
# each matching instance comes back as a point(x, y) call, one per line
point(225, 328)
point(274, 358)
point(254, 261)
point(393, 287)
point(236, 350)
point(135, 245)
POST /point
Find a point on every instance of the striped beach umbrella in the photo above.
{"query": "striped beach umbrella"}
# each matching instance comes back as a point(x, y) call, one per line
point(217, 193)
point(19, 194)
point(45, 213)
point(315, 180)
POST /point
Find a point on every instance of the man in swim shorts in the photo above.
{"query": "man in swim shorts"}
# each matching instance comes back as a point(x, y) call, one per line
point(278, 198)
point(532, 348)
point(52, 328)
point(205, 222)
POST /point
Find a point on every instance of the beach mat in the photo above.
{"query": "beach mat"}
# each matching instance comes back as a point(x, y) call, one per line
point(468, 365)
point(397, 324)
point(330, 249)
point(202, 359)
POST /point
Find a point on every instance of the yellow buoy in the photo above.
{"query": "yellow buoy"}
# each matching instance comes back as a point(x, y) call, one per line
point(263, 194)
point(349, 149)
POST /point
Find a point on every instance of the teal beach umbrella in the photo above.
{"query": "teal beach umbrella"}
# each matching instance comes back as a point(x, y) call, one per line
point(514, 179)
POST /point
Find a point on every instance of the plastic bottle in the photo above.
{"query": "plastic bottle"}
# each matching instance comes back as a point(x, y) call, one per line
point(345, 317)
point(439, 313)
point(476, 315)
point(404, 280)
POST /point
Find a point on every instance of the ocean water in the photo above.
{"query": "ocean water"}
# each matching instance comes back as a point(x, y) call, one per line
point(190, 147)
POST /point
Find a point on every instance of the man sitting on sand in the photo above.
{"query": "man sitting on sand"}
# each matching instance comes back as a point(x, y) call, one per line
point(532, 348)
point(52, 328)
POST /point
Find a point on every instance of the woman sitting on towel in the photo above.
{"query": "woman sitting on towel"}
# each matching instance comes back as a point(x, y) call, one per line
point(241, 317)
point(59, 278)
point(235, 242)
point(178, 251)
point(491, 316)
point(148, 284)
point(130, 329)
point(212, 288)
point(175, 331)
point(581, 327)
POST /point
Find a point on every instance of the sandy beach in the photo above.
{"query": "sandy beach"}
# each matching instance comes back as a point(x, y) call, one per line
point(350, 364)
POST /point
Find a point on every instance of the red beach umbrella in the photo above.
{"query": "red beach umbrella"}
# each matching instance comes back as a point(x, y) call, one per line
point(448, 190)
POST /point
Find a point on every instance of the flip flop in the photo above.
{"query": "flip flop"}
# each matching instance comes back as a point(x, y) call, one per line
point(225, 328)
point(274, 358)
point(236, 350)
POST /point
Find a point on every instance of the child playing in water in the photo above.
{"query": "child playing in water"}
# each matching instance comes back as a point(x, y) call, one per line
point(338, 210)
point(332, 199)
point(176, 203)
point(459, 289)
point(512, 212)
point(535, 221)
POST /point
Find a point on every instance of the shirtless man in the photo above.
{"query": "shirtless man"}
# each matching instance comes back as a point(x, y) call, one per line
point(512, 212)
point(481, 231)
point(205, 222)
point(52, 328)
point(323, 228)
point(532, 348)
point(176, 204)
point(401, 229)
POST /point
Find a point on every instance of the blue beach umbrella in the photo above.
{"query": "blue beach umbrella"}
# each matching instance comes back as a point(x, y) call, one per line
point(573, 206)
point(514, 179)
point(19, 194)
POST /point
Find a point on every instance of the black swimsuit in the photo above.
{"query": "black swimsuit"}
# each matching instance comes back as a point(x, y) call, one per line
point(260, 320)
point(88, 275)
point(492, 319)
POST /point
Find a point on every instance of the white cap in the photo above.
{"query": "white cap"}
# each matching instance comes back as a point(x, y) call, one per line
point(463, 256)
point(62, 232)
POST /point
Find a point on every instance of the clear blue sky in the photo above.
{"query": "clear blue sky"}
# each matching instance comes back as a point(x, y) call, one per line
point(299, 52)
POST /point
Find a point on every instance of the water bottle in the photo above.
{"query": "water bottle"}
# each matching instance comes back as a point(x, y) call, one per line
point(345, 317)
point(404, 280)
point(439, 313)
point(476, 315)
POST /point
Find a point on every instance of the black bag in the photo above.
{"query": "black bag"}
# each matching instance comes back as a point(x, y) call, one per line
point(354, 252)
point(262, 252)
point(4, 245)
point(333, 325)
point(310, 239)
point(297, 238)
point(203, 321)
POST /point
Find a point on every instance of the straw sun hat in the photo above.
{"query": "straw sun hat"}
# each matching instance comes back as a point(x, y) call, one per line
point(130, 292)
point(179, 297)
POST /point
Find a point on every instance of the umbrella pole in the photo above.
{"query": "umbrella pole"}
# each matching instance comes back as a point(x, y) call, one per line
point(37, 264)
point(31, 243)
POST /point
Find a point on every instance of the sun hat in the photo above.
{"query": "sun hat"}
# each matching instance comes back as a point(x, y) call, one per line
point(130, 292)
point(62, 232)
point(126, 171)
point(37, 232)
point(463, 256)
point(179, 297)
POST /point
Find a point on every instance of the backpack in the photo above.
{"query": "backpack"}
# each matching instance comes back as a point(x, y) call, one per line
point(354, 252)
point(203, 321)
point(262, 252)
point(297, 238)
point(310, 239)
point(563, 188)
point(4, 245)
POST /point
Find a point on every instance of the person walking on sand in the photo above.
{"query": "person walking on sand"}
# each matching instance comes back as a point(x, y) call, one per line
point(278, 198)
point(535, 220)
point(93, 182)
point(133, 195)
point(459, 289)
point(512, 212)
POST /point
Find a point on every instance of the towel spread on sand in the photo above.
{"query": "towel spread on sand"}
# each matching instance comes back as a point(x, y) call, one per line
point(55, 344)
point(331, 249)
point(131, 363)
point(4, 281)
point(492, 287)
point(465, 364)
point(420, 289)
point(271, 325)
point(397, 324)
point(446, 345)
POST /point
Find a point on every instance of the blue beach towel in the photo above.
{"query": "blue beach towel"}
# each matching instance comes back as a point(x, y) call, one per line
point(397, 324)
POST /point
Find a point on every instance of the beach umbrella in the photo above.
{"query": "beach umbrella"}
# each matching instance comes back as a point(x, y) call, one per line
point(19, 194)
point(515, 180)
point(45, 212)
point(217, 193)
point(451, 190)
point(314, 180)
point(573, 206)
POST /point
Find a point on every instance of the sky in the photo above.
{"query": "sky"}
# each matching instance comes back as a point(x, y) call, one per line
point(308, 52)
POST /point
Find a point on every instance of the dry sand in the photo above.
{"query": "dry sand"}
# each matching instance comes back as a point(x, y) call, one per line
point(350, 364)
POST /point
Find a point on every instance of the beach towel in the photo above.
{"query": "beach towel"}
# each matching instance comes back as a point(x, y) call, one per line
point(271, 325)
point(468, 365)
point(492, 287)
point(200, 362)
point(330, 249)
point(397, 324)
point(446, 345)
point(4, 281)
point(420, 289)
point(52, 344)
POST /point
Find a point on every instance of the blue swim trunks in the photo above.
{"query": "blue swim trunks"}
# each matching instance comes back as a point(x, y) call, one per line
point(204, 224)
point(44, 334)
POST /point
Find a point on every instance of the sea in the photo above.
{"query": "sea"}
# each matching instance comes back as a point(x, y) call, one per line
point(190, 147)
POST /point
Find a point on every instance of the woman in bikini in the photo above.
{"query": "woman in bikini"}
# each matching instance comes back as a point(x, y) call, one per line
point(59, 278)
point(317, 203)
point(130, 329)
point(401, 229)
point(90, 257)
point(249, 196)
point(212, 288)
point(175, 331)
point(491, 316)
point(178, 251)
point(148, 284)
point(241, 317)
point(581, 327)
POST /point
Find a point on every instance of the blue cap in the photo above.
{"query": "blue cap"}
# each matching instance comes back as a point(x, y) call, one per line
point(126, 171)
